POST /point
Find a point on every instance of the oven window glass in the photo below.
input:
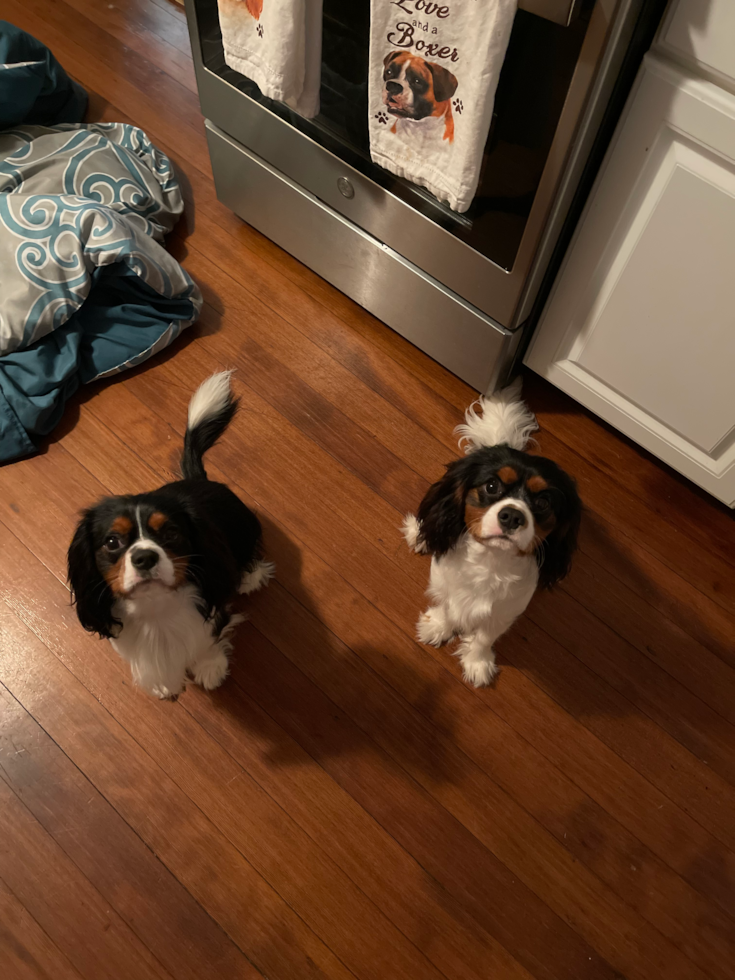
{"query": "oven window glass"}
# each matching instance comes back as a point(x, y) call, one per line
point(533, 85)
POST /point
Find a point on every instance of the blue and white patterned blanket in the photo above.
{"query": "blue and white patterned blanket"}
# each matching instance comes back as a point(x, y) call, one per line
point(86, 287)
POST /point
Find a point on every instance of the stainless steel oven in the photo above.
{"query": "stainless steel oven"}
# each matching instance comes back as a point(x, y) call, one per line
point(460, 286)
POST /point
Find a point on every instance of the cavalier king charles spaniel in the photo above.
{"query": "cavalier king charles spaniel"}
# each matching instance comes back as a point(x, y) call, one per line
point(156, 572)
point(498, 524)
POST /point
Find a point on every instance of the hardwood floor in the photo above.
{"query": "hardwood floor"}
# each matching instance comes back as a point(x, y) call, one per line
point(345, 807)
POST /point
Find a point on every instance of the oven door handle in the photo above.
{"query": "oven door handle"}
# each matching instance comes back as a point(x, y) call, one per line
point(559, 11)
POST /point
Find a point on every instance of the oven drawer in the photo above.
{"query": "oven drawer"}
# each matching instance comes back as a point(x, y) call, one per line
point(414, 304)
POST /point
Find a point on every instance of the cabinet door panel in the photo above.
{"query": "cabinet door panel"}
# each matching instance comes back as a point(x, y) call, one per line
point(702, 32)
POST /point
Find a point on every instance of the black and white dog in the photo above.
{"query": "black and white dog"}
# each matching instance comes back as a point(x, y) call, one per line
point(500, 523)
point(156, 572)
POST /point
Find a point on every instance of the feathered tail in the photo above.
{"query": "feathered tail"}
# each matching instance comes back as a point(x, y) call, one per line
point(501, 418)
point(210, 412)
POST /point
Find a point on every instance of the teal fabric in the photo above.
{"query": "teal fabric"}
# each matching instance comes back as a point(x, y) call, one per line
point(120, 325)
point(34, 88)
point(87, 288)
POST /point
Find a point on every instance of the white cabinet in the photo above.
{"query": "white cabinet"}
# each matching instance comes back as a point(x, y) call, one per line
point(702, 33)
point(640, 326)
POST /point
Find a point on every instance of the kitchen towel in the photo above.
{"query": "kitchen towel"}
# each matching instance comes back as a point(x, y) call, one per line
point(277, 44)
point(434, 68)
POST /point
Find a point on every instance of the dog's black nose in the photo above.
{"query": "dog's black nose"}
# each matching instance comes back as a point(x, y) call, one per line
point(393, 88)
point(144, 559)
point(510, 518)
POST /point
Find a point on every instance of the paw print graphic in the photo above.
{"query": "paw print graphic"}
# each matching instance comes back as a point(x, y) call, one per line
point(458, 106)
point(382, 117)
point(260, 30)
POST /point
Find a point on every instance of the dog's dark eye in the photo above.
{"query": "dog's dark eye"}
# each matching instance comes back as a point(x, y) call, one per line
point(113, 542)
point(493, 486)
point(542, 504)
point(417, 83)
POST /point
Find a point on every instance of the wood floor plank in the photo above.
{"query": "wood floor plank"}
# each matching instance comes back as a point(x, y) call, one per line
point(424, 910)
point(670, 497)
point(689, 719)
point(633, 736)
point(626, 513)
point(70, 911)
point(479, 805)
point(26, 952)
point(271, 935)
point(668, 592)
point(148, 31)
point(208, 770)
point(259, 330)
point(114, 860)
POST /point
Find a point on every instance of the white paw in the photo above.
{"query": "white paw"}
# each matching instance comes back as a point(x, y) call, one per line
point(480, 673)
point(259, 575)
point(211, 672)
point(432, 628)
point(164, 693)
point(410, 531)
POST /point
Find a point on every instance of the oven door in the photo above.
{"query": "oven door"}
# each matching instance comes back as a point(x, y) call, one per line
point(485, 255)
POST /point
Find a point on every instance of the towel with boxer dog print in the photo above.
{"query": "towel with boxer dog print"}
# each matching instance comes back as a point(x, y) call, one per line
point(434, 68)
point(278, 45)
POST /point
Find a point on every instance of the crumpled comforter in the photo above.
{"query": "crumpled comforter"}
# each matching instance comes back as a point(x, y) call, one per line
point(86, 287)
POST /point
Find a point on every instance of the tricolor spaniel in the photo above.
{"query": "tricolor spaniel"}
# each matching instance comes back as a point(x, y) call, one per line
point(498, 524)
point(156, 572)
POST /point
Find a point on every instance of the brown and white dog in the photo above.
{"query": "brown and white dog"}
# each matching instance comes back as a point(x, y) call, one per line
point(499, 524)
point(155, 572)
point(417, 89)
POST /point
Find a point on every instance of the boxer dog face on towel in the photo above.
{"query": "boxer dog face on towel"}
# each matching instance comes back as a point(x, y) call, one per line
point(418, 89)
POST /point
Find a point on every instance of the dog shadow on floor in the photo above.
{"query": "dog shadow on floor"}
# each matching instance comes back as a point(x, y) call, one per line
point(298, 693)
point(601, 639)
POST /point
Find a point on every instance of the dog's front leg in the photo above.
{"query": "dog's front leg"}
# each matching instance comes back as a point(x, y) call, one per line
point(434, 626)
point(476, 652)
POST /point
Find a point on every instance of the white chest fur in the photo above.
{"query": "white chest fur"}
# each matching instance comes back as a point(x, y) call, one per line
point(476, 583)
point(164, 636)
point(477, 593)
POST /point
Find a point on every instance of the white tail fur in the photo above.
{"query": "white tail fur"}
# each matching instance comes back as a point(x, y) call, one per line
point(501, 418)
point(211, 397)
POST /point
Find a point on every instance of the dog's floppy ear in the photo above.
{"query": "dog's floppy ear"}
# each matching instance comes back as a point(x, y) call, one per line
point(445, 84)
point(391, 56)
point(441, 512)
point(89, 591)
point(558, 548)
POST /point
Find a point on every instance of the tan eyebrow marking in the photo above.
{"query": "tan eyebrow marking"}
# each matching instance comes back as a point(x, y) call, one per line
point(536, 484)
point(121, 525)
point(508, 475)
point(157, 520)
